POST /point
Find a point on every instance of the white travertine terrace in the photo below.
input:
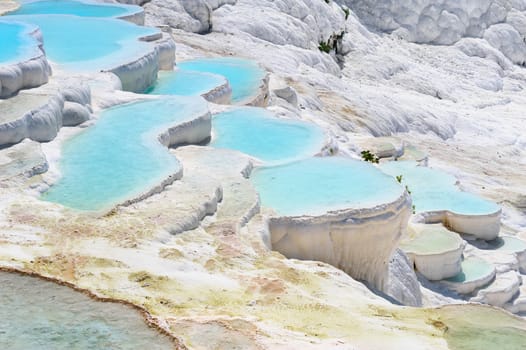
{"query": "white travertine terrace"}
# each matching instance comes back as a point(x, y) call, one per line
point(469, 284)
point(358, 241)
point(435, 251)
point(140, 74)
point(29, 73)
point(486, 227)
point(501, 291)
point(40, 113)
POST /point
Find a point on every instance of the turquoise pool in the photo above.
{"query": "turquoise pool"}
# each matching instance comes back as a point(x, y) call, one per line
point(185, 83)
point(84, 8)
point(316, 185)
point(120, 157)
point(244, 76)
point(258, 133)
point(89, 44)
point(16, 43)
point(38, 314)
point(433, 190)
point(472, 269)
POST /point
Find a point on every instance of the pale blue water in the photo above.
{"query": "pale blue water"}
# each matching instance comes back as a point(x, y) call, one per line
point(89, 44)
point(258, 133)
point(16, 44)
point(510, 244)
point(472, 269)
point(244, 76)
point(84, 8)
point(317, 185)
point(433, 190)
point(120, 157)
point(185, 83)
point(38, 314)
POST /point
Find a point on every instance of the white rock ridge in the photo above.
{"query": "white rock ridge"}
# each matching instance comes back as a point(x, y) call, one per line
point(445, 22)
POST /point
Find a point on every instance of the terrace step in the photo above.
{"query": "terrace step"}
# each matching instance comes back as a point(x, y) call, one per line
point(501, 291)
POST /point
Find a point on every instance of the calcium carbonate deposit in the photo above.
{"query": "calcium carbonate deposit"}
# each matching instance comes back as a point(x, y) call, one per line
point(263, 174)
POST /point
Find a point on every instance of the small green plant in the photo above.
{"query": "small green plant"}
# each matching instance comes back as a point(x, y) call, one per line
point(325, 47)
point(328, 1)
point(414, 209)
point(399, 178)
point(370, 157)
point(407, 189)
point(347, 12)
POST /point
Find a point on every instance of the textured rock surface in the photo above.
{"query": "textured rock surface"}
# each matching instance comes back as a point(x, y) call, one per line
point(39, 114)
point(360, 242)
point(500, 22)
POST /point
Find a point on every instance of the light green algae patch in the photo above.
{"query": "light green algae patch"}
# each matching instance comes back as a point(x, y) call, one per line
point(476, 328)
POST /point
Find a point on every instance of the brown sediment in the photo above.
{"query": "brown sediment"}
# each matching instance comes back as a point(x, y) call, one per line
point(150, 320)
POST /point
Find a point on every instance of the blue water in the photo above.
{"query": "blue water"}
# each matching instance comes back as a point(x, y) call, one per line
point(510, 244)
point(16, 44)
point(89, 44)
point(258, 133)
point(433, 190)
point(472, 269)
point(120, 157)
point(244, 76)
point(185, 83)
point(38, 314)
point(317, 185)
point(84, 8)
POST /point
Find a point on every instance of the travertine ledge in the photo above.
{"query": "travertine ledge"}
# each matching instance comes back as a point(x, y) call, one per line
point(358, 241)
point(26, 74)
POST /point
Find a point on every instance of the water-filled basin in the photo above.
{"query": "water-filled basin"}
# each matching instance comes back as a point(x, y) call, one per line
point(120, 157)
point(244, 76)
point(316, 185)
point(185, 83)
point(433, 190)
point(87, 44)
point(38, 314)
point(84, 8)
point(430, 240)
point(472, 269)
point(258, 133)
point(16, 43)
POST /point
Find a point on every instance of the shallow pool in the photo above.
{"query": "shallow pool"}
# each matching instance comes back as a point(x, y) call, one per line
point(84, 8)
point(433, 190)
point(316, 185)
point(185, 83)
point(244, 76)
point(87, 44)
point(510, 244)
point(258, 133)
point(474, 327)
point(16, 43)
point(38, 314)
point(431, 239)
point(120, 157)
point(472, 269)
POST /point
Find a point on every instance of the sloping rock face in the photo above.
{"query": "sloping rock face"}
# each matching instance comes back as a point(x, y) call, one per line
point(189, 15)
point(305, 22)
point(445, 22)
